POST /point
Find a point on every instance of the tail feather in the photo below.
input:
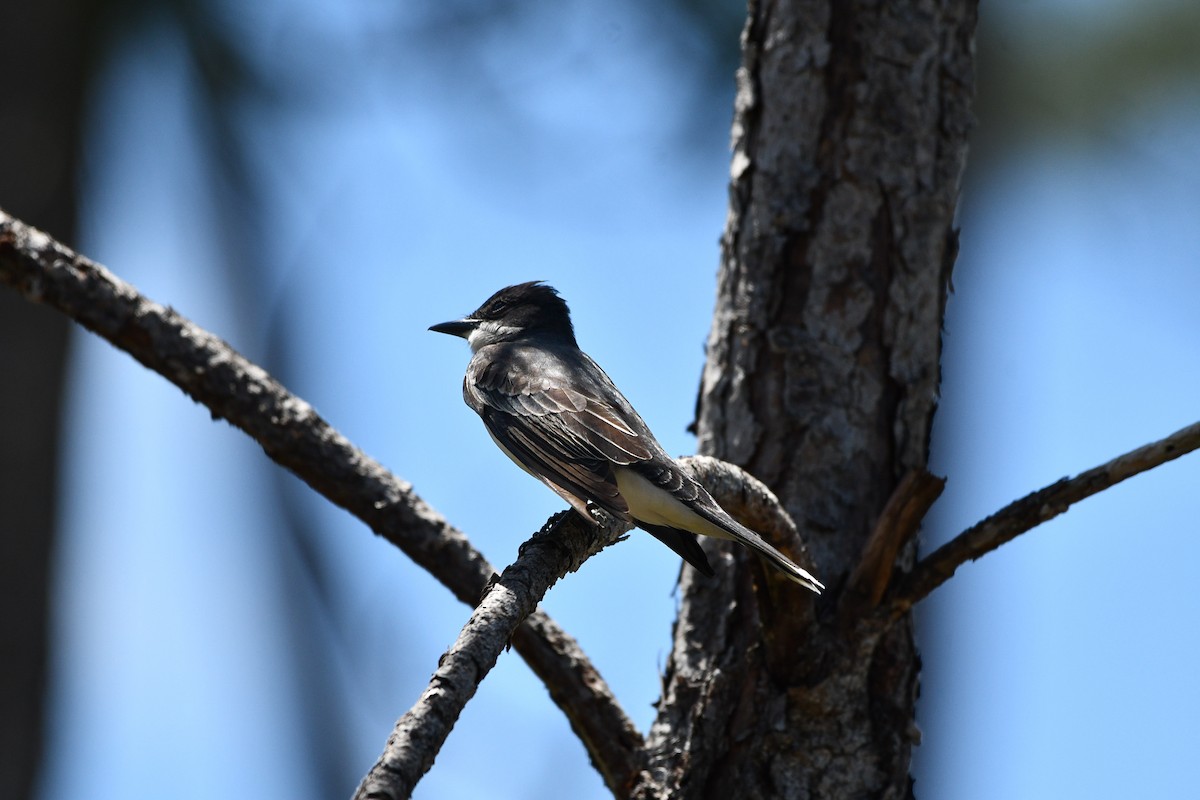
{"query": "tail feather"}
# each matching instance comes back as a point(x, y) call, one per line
point(683, 543)
point(780, 561)
point(772, 556)
point(688, 548)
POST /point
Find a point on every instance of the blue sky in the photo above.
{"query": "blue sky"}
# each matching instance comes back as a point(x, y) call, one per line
point(405, 191)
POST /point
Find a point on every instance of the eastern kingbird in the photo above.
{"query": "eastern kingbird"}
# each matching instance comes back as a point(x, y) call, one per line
point(554, 412)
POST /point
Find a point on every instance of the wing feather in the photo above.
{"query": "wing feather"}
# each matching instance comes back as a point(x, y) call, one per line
point(568, 439)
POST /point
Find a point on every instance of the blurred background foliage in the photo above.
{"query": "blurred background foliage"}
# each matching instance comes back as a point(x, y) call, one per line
point(317, 182)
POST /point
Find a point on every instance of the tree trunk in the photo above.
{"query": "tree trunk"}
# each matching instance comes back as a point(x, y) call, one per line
point(44, 60)
point(849, 140)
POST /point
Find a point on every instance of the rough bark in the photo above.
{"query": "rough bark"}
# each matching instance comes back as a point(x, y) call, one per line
point(563, 544)
point(291, 432)
point(1032, 510)
point(849, 144)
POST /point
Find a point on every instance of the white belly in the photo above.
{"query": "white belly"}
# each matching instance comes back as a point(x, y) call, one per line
point(651, 504)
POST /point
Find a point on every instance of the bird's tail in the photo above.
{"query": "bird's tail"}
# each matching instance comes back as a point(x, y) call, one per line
point(785, 565)
point(773, 557)
point(682, 542)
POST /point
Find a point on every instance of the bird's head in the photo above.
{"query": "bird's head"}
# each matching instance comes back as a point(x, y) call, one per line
point(513, 313)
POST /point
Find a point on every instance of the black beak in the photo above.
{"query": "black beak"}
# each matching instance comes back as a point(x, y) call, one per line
point(459, 327)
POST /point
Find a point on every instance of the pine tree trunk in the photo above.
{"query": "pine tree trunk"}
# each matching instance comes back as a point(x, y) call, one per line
point(849, 139)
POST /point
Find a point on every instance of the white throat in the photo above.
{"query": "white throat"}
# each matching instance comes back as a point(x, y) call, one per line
point(489, 332)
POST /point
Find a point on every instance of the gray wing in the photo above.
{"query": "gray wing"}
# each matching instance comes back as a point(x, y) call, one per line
point(569, 439)
point(572, 439)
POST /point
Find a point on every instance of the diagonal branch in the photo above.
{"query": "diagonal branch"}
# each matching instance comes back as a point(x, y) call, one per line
point(898, 523)
point(1031, 511)
point(560, 547)
point(210, 372)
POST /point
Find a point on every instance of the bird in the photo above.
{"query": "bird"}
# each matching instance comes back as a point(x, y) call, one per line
point(553, 411)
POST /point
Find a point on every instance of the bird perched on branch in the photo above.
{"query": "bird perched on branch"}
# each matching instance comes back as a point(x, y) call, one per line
point(559, 417)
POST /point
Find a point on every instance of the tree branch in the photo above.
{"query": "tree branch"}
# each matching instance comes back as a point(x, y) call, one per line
point(558, 548)
point(1031, 511)
point(613, 743)
point(898, 523)
point(562, 545)
point(210, 372)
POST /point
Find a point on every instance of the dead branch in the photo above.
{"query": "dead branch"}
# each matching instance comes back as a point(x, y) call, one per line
point(560, 547)
point(1031, 511)
point(897, 524)
point(291, 432)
